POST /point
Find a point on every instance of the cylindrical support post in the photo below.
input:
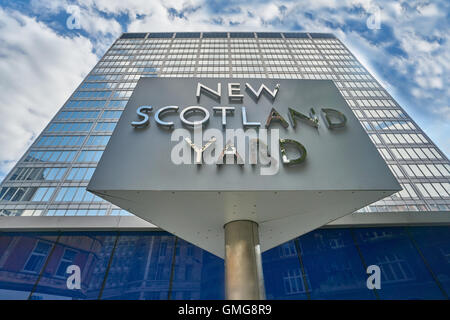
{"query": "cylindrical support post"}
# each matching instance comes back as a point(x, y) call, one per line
point(243, 266)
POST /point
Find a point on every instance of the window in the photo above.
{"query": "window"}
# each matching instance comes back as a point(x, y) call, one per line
point(293, 282)
point(92, 94)
point(105, 126)
point(85, 104)
point(80, 174)
point(89, 156)
point(43, 194)
point(66, 260)
point(108, 114)
point(70, 126)
point(76, 194)
point(37, 257)
point(98, 140)
point(70, 141)
point(37, 174)
point(64, 115)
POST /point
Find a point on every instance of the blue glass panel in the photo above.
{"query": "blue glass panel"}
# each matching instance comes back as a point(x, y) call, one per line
point(90, 251)
point(198, 274)
point(434, 244)
point(403, 273)
point(282, 273)
point(141, 267)
point(133, 35)
point(242, 35)
point(322, 35)
point(215, 35)
point(187, 35)
point(161, 35)
point(22, 258)
point(268, 34)
point(296, 35)
point(333, 267)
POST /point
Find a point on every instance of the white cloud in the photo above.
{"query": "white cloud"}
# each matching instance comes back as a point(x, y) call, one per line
point(39, 70)
point(83, 16)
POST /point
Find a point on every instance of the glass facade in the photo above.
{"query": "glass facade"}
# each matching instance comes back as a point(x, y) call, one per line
point(323, 264)
point(51, 176)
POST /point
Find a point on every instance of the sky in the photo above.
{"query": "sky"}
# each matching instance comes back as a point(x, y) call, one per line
point(47, 47)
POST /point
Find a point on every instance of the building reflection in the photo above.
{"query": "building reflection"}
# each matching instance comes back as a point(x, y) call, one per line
point(323, 264)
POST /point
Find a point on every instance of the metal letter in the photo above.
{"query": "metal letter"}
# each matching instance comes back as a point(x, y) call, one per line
point(273, 93)
point(234, 90)
point(194, 109)
point(229, 150)
point(312, 120)
point(224, 113)
point(164, 110)
point(300, 147)
point(213, 94)
point(274, 115)
point(141, 111)
point(327, 114)
point(245, 123)
point(198, 150)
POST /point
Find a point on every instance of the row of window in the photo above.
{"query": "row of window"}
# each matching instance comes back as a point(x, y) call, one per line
point(92, 94)
point(403, 138)
point(77, 115)
point(86, 104)
point(24, 173)
point(71, 141)
point(109, 70)
point(378, 113)
point(50, 156)
point(43, 194)
point(67, 141)
point(411, 153)
point(84, 126)
point(91, 104)
point(78, 212)
point(69, 126)
point(389, 125)
point(427, 170)
point(106, 77)
point(26, 194)
point(115, 63)
point(63, 212)
point(49, 174)
point(76, 194)
point(98, 85)
point(422, 170)
point(63, 156)
point(86, 212)
point(105, 126)
point(434, 190)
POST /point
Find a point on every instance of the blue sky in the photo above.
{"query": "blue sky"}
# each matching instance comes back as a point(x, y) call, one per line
point(47, 47)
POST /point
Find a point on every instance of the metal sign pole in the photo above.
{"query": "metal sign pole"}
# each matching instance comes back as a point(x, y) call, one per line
point(243, 266)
